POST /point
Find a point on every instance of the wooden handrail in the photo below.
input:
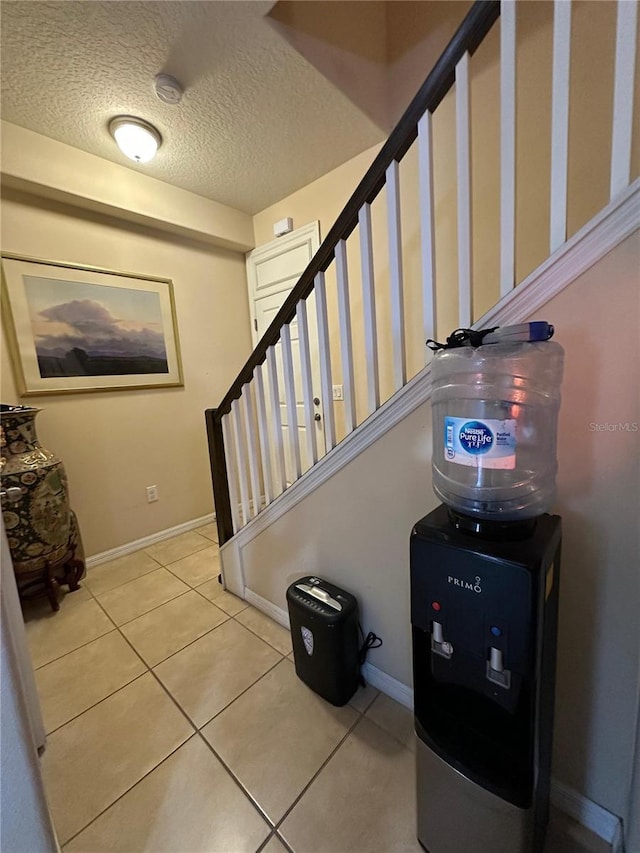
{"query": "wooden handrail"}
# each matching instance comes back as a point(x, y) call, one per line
point(219, 477)
point(468, 37)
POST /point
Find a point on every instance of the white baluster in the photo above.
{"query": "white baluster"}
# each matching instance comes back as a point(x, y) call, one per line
point(249, 431)
point(278, 442)
point(369, 309)
point(395, 275)
point(623, 95)
point(344, 322)
point(231, 456)
point(240, 456)
point(507, 145)
point(307, 384)
point(463, 155)
point(325, 362)
point(263, 432)
point(290, 397)
point(427, 228)
point(560, 122)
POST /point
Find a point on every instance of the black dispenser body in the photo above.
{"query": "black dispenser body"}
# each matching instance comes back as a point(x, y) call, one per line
point(324, 633)
point(484, 626)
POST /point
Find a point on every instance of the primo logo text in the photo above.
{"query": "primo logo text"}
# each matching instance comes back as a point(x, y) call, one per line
point(475, 587)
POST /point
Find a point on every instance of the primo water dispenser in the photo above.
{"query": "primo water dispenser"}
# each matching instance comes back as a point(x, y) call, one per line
point(484, 595)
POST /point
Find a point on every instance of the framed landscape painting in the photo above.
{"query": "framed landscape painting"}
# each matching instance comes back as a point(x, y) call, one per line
point(73, 328)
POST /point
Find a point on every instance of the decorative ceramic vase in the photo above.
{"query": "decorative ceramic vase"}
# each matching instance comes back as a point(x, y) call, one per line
point(41, 529)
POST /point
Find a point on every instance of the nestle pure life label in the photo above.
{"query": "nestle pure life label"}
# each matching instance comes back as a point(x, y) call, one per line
point(480, 444)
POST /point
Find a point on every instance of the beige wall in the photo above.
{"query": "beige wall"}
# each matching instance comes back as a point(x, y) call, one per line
point(355, 528)
point(115, 443)
point(417, 33)
point(323, 199)
point(348, 46)
point(599, 499)
point(377, 53)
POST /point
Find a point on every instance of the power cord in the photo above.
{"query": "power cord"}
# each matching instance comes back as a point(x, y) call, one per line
point(371, 641)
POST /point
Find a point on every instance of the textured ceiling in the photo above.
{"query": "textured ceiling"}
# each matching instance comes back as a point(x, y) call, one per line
point(256, 122)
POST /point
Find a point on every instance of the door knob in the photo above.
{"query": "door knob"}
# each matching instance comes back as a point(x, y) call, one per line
point(317, 416)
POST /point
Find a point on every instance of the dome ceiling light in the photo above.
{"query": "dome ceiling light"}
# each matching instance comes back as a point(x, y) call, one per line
point(136, 138)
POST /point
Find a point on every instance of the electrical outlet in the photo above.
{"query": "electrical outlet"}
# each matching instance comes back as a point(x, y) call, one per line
point(152, 494)
point(338, 393)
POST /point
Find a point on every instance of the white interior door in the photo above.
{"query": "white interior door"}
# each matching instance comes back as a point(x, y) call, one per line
point(24, 813)
point(272, 271)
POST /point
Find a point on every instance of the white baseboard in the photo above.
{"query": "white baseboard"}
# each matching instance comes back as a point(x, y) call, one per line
point(596, 818)
point(617, 845)
point(138, 544)
point(591, 815)
point(388, 685)
point(278, 614)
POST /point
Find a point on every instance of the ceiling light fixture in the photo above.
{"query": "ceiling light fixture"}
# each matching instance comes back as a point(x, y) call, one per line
point(136, 138)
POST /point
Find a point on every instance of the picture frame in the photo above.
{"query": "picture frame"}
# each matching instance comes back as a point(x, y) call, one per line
point(73, 328)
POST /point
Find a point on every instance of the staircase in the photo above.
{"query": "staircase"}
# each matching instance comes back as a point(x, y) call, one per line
point(255, 461)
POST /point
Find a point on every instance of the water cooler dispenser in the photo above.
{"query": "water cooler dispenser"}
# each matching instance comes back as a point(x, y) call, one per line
point(484, 600)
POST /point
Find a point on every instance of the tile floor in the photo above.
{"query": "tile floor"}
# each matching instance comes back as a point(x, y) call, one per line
point(176, 723)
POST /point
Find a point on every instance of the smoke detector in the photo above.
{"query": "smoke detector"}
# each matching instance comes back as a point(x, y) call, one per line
point(168, 89)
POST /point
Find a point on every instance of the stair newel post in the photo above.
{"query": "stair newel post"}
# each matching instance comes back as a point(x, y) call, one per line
point(219, 476)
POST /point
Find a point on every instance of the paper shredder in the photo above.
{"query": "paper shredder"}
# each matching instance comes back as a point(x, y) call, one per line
point(324, 632)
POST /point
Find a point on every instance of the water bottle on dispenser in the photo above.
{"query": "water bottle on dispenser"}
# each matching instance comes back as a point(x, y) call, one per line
point(495, 413)
point(484, 594)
